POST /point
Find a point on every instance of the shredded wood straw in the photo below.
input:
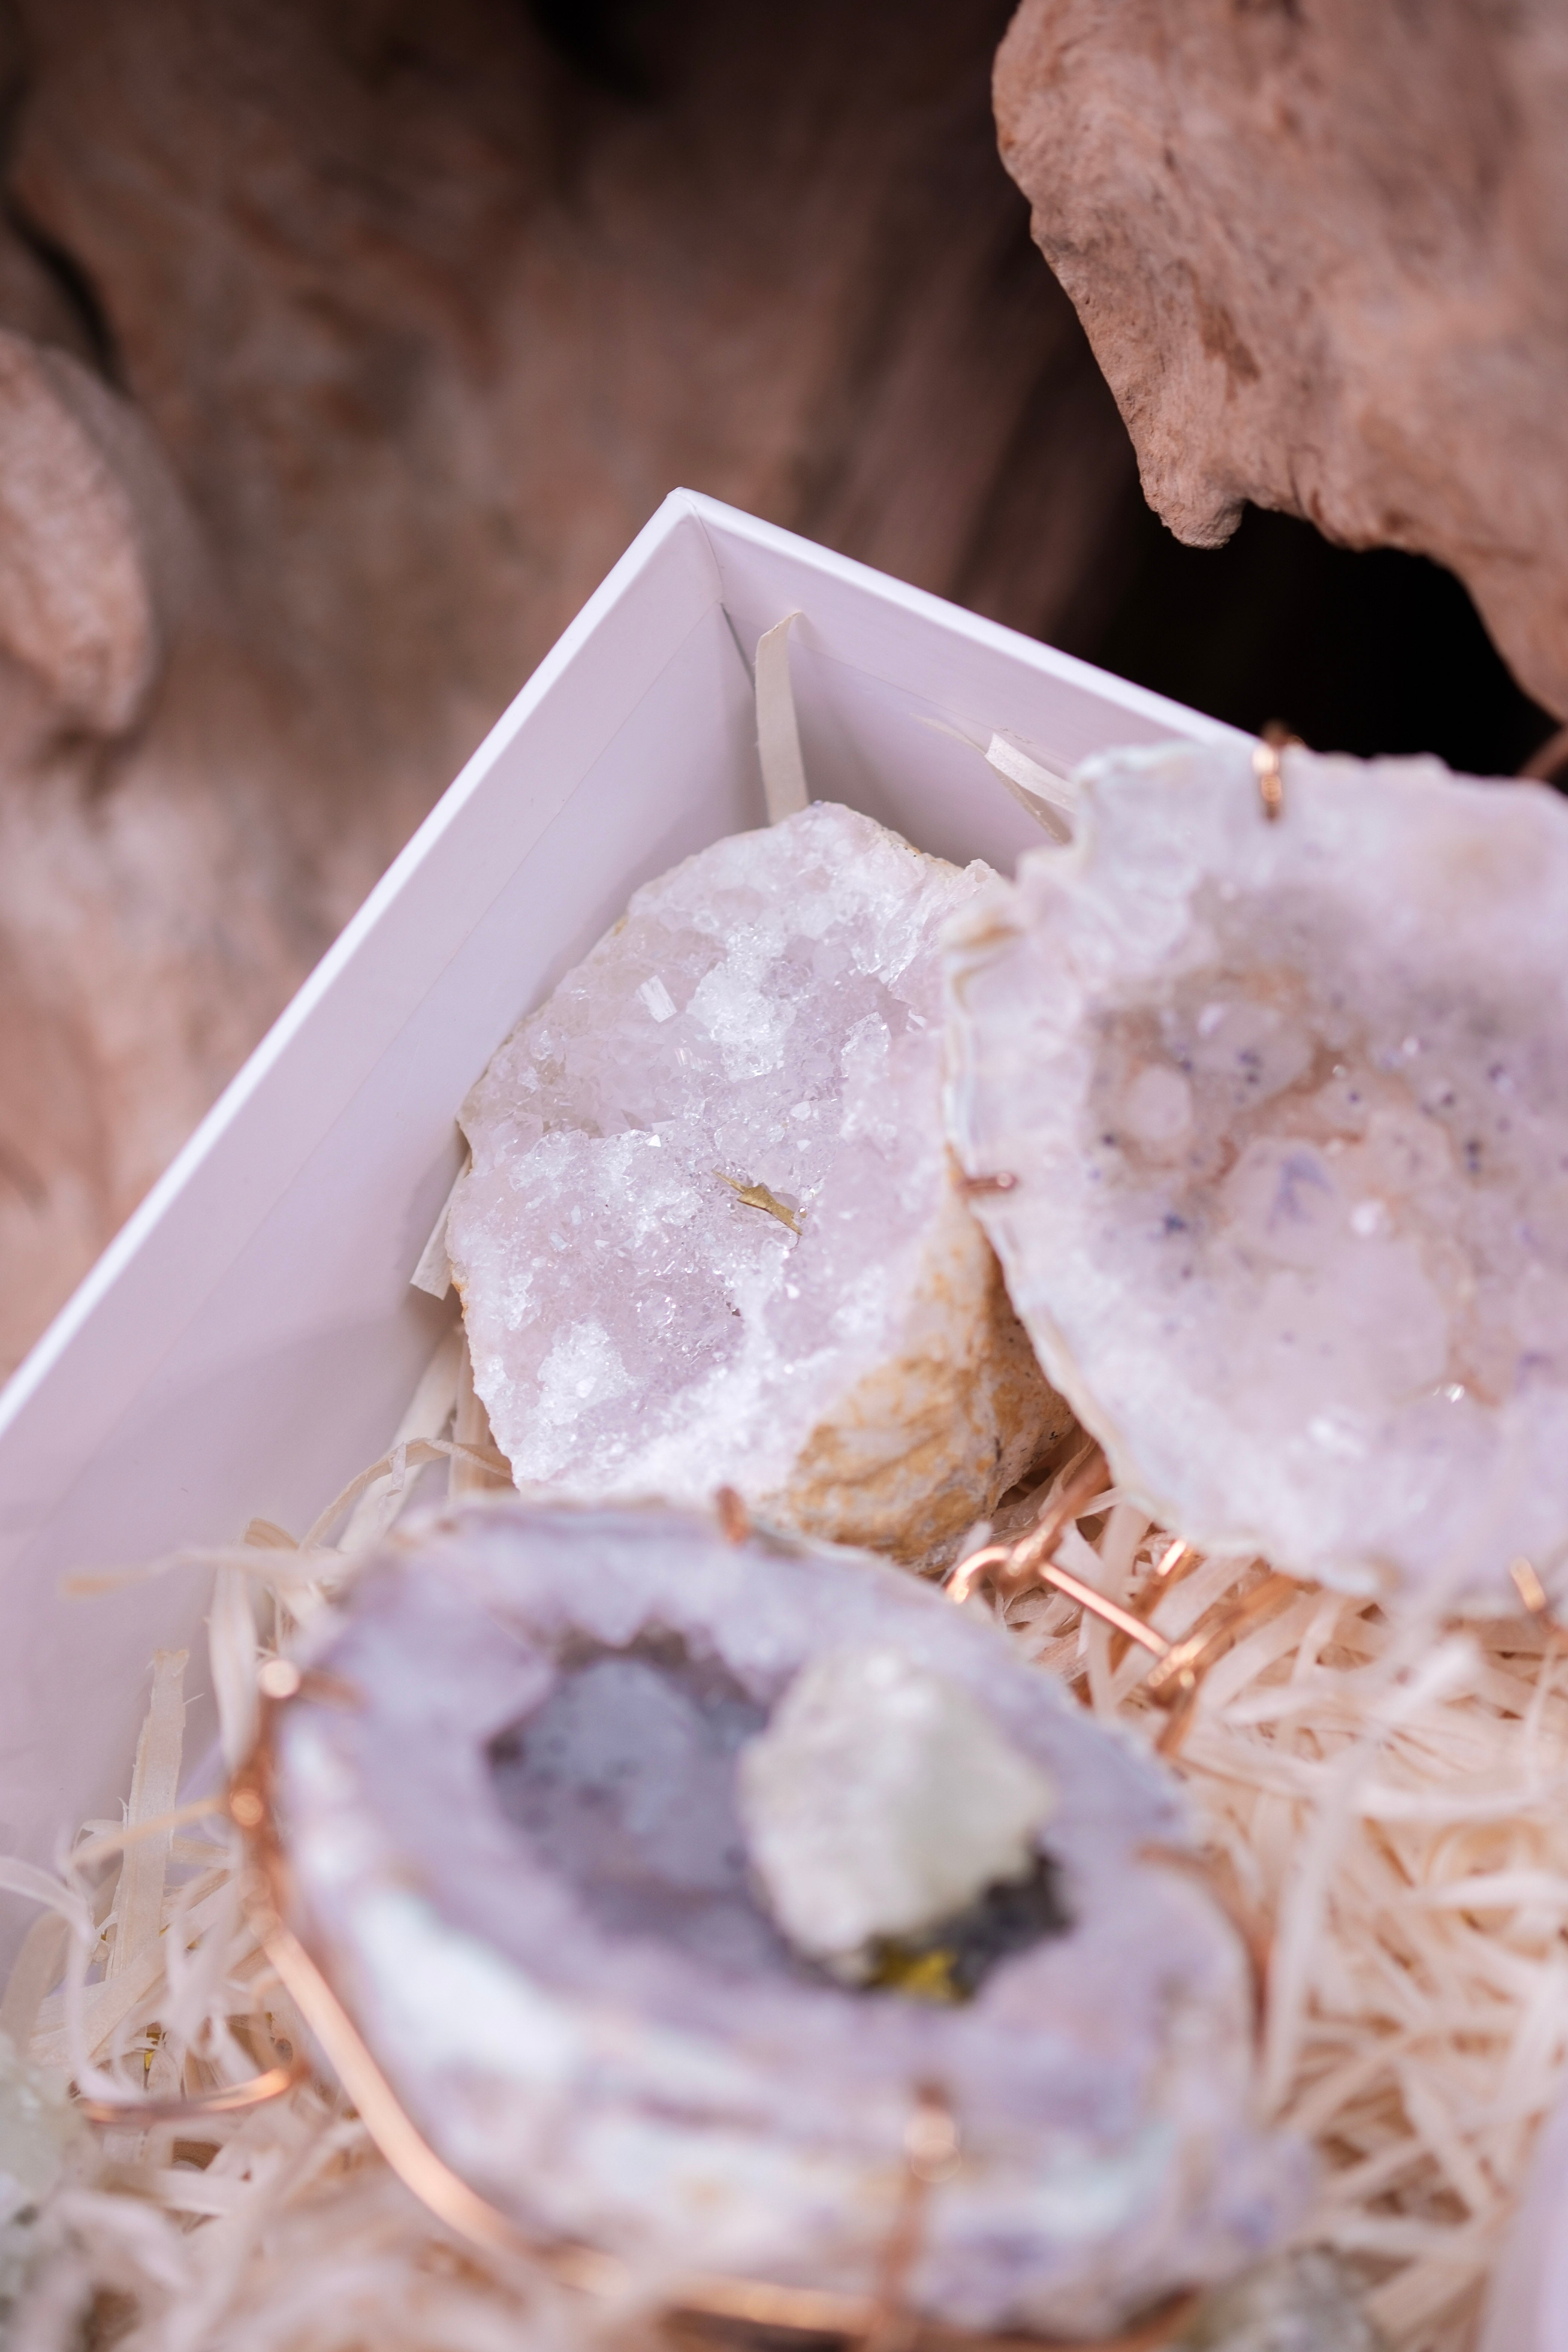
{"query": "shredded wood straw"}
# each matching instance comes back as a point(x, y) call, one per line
point(1389, 1805)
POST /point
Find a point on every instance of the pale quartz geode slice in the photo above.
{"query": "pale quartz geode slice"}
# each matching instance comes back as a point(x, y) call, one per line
point(517, 1855)
point(880, 1800)
point(1287, 1109)
point(839, 1348)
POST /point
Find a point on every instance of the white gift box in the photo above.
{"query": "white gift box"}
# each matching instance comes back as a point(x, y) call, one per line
point(249, 1340)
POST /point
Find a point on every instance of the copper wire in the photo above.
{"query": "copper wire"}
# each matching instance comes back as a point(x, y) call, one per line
point(1176, 1562)
point(1176, 1675)
point(930, 2157)
point(1177, 1559)
point(932, 2153)
point(1013, 1568)
point(135, 2113)
point(1269, 767)
point(729, 1510)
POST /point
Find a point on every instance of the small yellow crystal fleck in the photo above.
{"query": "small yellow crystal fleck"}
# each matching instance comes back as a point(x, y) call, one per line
point(757, 1196)
point(920, 1976)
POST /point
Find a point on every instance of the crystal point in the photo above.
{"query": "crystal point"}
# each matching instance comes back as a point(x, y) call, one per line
point(881, 1799)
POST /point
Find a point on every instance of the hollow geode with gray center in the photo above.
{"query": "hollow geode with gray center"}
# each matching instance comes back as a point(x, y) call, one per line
point(710, 1234)
point(531, 1895)
point(1286, 1106)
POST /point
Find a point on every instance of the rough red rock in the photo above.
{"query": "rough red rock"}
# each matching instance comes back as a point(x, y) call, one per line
point(1322, 252)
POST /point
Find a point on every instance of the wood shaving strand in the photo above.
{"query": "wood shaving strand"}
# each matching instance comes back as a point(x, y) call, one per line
point(1394, 1805)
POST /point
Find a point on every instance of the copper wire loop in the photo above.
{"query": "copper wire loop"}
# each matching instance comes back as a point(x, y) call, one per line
point(1269, 767)
point(1175, 1678)
point(137, 2113)
point(1013, 1568)
point(1176, 1675)
point(877, 2322)
point(133, 2114)
point(973, 1187)
point(729, 1510)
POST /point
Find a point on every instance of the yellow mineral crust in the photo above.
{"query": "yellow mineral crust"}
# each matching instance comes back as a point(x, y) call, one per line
point(931, 1441)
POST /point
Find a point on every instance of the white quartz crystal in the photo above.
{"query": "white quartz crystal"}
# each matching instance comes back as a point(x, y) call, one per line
point(518, 1855)
point(1304, 2302)
point(1287, 1109)
point(710, 1234)
point(38, 2129)
point(880, 1800)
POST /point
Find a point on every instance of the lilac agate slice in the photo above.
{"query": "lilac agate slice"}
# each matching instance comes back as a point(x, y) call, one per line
point(522, 1860)
point(1287, 1109)
point(711, 1235)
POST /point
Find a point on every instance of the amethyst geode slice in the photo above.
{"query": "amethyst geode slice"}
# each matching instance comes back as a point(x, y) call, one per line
point(523, 1858)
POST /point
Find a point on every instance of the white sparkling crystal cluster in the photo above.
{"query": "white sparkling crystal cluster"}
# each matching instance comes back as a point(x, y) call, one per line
point(710, 1234)
point(520, 1857)
point(880, 1800)
point(1287, 1109)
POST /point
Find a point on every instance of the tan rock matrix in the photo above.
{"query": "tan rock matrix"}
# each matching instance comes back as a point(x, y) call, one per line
point(1321, 254)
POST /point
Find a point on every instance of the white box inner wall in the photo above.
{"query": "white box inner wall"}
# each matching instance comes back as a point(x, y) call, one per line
point(249, 1340)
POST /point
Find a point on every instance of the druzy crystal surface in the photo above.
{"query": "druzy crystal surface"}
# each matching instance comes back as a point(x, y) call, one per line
point(710, 1234)
point(520, 1856)
point(882, 1800)
point(1287, 1109)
